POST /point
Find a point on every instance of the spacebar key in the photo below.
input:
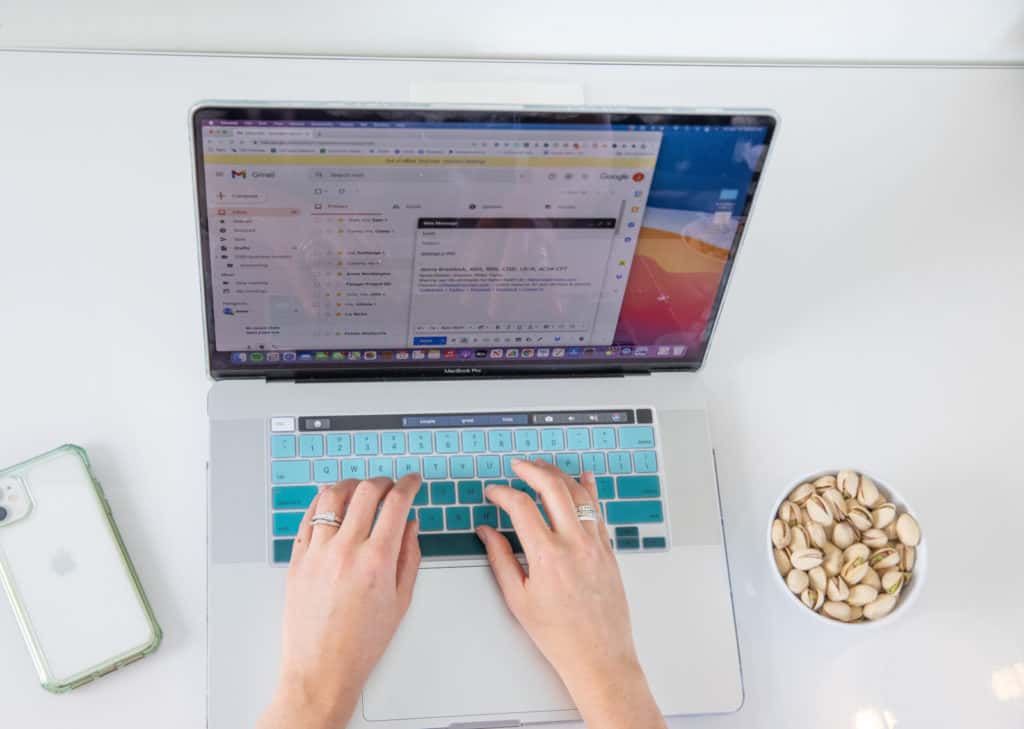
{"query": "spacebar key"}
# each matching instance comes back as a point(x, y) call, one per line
point(459, 545)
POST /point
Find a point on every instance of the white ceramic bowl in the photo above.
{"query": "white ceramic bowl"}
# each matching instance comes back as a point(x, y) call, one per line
point(909, 593)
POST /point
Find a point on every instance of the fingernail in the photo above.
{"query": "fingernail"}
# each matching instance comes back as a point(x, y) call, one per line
point(515, 459)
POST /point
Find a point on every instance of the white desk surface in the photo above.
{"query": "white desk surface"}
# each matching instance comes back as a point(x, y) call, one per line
point(875, 318)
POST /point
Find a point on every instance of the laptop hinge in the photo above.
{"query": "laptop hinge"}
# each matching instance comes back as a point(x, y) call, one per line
point(485, 724)
point(383, 377)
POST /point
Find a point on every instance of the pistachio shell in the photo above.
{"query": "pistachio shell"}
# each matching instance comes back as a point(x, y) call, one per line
point(867, 492)
point(856, 613)
point(883, 515)
point(880, 607)
point(817, 534)
point(856, 550)
point(789, 512)
point(797, 581)
point(833, 561)
point(874, 538)
point(825, 482)
point(860, 517)
point(854, 570)
point(848, 481)
point(804, 519)
point(780, 534)
point(801, 493)
point(806, 559)
point(837, 610)
point(893, 581)
point(909, 558)
point(798, 539)
point(890, 531)
point(812, 598)
point(871, 579)
point(782, 561)
point(837, 589)
point(844, 535)
point(908, 530)
point(819, 510)
point(862, 594)
point(835, 502)
point(884, 558)
point(818, 578)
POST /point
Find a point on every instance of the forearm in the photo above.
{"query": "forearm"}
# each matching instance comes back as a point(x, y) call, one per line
point(619, 701)
point(296, 708)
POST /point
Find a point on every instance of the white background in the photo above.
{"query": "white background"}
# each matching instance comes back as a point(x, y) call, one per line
point(874, 319)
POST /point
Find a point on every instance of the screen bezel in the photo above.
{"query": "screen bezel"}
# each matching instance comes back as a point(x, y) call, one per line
point(387, 370)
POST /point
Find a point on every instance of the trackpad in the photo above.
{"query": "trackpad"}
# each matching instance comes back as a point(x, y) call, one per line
point(460, 652)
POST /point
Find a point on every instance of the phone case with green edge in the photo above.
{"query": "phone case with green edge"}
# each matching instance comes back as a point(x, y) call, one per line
point(82, 515)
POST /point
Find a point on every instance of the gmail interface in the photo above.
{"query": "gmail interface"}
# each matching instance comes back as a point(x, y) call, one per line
point(398, 236)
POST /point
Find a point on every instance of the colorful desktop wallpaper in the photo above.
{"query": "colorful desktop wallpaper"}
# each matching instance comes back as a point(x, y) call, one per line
point(696, 203)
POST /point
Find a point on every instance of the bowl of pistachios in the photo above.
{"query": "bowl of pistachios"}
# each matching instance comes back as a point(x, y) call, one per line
point(846, 548)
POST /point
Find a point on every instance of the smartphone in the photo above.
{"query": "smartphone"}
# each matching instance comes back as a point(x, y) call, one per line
point(67, 575)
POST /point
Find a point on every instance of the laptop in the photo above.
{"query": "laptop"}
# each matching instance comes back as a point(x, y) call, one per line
point(437, 290)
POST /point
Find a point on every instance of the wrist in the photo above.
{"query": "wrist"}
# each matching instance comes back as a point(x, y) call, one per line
point(615, 694)
point(313, 704)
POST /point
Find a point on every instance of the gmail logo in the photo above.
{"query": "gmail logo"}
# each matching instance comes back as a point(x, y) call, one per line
point(237, 173)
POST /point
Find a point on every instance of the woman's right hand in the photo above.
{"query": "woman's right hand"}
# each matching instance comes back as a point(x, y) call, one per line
point(572, 603)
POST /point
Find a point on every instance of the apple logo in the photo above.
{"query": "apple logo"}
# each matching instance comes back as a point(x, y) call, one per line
point(62, 562)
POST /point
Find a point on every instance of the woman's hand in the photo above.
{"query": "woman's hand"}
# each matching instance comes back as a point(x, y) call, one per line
point(572, 604)
point(347, 590)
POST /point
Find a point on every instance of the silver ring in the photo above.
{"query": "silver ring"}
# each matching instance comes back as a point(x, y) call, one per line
point(327, 518)
point(586, 512)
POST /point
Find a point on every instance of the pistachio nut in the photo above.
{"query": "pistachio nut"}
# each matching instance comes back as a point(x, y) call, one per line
point(880, 607)
point(789, 512)
point(871, 579)
point(806, 559)
point(867, 492)
point(837, 589)
point(844, 535)
point(883, 515)
point(816, 534)
point(862, 594)
point(893, 581)
point(884, 558)
point(780, 534)
point(819, 510)
point(833, 561)
point(818, 578)
point(812, 598)
point(856, 613)
point(860, 517)
point(837, 610)
point(835, 502)
point(798, 538)
point(890, 531)
point(874, 538)
point(909, 558)
point(797, 581)
point(856, 550)
point(907, 530)
point(854, 570)
point(782, 561)
point(804, 519)
point(825, 482)
point(848, 481)
point(801, 493)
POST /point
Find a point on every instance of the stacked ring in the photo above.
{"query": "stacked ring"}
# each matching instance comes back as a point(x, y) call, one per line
point(327, 518)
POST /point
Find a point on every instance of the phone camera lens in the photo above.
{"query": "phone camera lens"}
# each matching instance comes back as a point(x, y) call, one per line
point(3, 513)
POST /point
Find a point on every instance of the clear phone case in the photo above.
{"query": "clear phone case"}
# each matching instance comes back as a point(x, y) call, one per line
point(67, 574)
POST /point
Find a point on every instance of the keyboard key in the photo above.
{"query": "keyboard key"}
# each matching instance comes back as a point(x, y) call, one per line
point(526, 440)
point(471, 492)
point(422, 496)
point(366, 444)
point(627, 531)
point(311, 446)
point(406, 465)
point(382, 467)
point(286, 523)
point(442, 492)
point(505, 519)
point(654, 542)
point(488, 466)
point(605, 487)
point(604, 438)
point(353, 468)
point(289, 472)
point(283, 550)
point(578, 439)
point(421, 441)
point(552, 439)
point(392, 443)
point(282, 446)
point(485, 515)
point(411, 516)
point(431, 520)
point(293, 497)
point(635, 512)
point(325, 471)
point(435, 467)
point(619, 462)
point(457, 517)
point(465, 544)
point(568, 462)
point(447, 441)
point(645, 461)
point(639, 487)
point(520, 485)
point(594, 462)
point(473, 441)
point(339, 444)
point(636, 436)
point(462, 466)
point(507, 464)
point(499, 440)
point(628, 543)
point(544, 457)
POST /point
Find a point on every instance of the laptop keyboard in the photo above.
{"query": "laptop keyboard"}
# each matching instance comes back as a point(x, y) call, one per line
point(458, 456)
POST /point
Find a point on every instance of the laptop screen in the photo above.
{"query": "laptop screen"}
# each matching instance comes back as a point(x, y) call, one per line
point(371, 241)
